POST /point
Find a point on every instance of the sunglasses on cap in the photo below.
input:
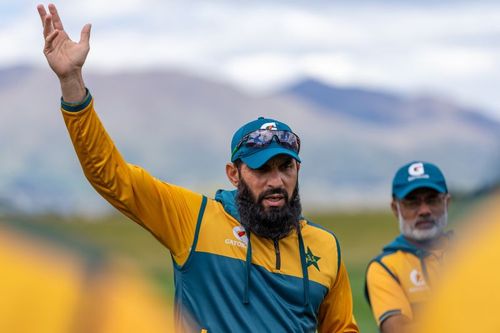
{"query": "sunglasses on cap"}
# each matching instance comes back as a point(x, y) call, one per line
point(264, 137)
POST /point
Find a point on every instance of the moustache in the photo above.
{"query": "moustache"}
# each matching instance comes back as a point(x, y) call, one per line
point(425, 220)
point(273, 191)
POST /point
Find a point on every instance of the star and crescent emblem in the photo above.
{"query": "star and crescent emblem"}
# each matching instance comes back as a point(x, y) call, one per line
point(311, 259)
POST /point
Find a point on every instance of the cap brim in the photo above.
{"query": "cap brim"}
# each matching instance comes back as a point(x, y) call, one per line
point(259, 158)
point(402, 193)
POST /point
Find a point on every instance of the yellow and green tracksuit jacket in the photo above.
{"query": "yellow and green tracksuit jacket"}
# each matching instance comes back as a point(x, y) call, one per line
point(226, 280)
point(399, 280)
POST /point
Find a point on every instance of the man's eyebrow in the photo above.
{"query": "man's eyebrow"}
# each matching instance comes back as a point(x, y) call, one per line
point(412, 196)
point(263, 166)
point(422, 195)
point(284, 163)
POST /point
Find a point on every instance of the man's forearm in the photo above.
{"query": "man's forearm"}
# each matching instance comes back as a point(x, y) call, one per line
point(73, 88)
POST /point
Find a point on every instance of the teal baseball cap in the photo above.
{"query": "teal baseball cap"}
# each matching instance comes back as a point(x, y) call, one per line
point(258, 141)
point(416, 175)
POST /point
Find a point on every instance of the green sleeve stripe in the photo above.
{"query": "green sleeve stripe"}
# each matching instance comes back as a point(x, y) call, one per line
point(198, 223)
point(387, 270)
point(76, 107)
point(196, 233)
point(339, 254)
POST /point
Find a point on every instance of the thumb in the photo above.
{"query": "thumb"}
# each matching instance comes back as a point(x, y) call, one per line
point(85, 34)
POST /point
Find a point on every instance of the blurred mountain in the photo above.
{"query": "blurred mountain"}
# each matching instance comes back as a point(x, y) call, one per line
point(380, 107)
point(179, 126)
point(365, 105)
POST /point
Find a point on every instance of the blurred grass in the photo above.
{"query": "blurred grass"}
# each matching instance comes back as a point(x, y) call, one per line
point(362, 234)
point(361, 237)
point(117, 236)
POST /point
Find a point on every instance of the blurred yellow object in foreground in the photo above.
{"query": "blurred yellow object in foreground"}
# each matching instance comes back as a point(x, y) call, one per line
point(469, 297)
point(49, 288)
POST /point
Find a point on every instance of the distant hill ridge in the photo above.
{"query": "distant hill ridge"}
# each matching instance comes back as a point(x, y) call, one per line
point(378, 106)
point(354, 102)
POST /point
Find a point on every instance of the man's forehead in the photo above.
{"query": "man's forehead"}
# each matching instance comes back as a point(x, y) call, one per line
point(422, 191)
point(279, 159)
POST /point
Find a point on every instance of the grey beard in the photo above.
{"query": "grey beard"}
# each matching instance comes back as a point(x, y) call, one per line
point(274, 223)
point(423, 235)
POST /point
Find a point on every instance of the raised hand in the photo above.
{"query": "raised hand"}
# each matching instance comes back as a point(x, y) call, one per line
point(65, 57)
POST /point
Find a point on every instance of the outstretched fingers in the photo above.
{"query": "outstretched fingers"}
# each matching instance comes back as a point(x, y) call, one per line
point(85, 34)
point(46, 20)
point(55, 17)
point(42, 12)
point(47, 26)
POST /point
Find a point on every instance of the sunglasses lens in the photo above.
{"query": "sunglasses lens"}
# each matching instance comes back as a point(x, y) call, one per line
point(261, 138)
point(290, 140)
point(257, 139)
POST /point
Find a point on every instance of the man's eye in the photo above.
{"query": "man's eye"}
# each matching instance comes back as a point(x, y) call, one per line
point(411, 203)
point(263, 168)
point(433, 200)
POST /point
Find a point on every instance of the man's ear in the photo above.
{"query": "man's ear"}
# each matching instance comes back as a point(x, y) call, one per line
point(233, 174)
point(394, 208)
point(298, 165)
point(448, 199)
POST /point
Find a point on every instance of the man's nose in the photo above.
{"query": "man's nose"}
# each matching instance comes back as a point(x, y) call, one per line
point(274, 179)
point(424, 208)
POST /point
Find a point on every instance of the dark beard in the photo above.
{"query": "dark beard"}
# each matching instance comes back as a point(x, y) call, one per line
point(275, 222)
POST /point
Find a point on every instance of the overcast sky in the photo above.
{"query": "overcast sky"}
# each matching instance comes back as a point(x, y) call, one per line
point(450, 49)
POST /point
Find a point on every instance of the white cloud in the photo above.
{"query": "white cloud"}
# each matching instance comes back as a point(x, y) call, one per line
point(262, 71)
point(335, 68)
point(97, 9)
point(456, 62)
point(22, 41)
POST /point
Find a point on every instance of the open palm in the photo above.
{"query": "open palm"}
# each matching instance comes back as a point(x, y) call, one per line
point(64, 56)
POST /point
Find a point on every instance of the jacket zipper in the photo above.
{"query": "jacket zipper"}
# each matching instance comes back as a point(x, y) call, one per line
point(278, 256)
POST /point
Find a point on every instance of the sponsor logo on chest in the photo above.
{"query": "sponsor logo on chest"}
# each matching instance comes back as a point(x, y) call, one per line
point(240, 235)
point(417, 281)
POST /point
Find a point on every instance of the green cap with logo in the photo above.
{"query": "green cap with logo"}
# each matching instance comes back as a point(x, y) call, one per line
point(416, 175)
point(255, 156)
